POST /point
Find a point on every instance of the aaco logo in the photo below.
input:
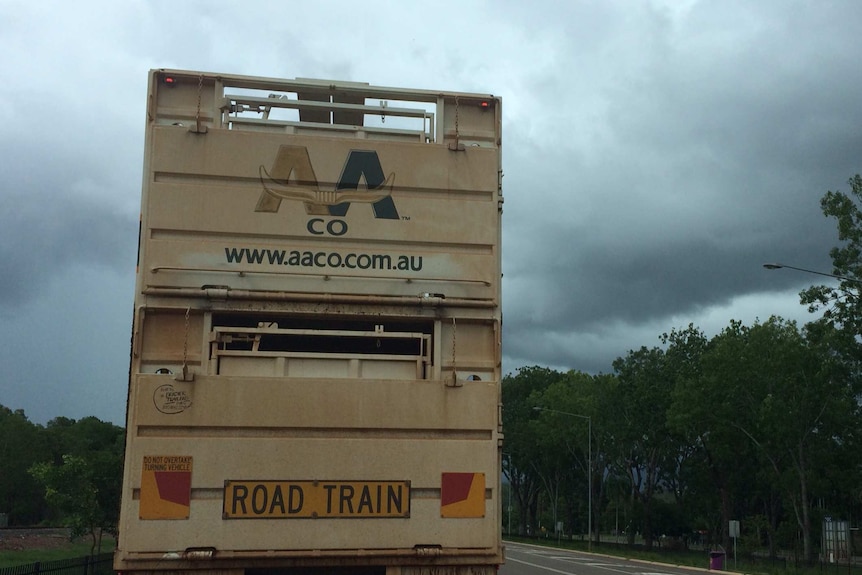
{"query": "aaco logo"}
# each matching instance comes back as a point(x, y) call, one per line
point(292, 177)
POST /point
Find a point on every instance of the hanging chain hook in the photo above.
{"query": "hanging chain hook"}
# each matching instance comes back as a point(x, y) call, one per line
point(454, 347)
point(199, 128)
point(185, 375)
point(457, 145)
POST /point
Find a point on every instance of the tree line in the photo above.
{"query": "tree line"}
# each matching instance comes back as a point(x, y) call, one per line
point(760, 423)
point(68, 472)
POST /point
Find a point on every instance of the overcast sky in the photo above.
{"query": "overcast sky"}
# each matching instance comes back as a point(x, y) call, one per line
point(656, 154)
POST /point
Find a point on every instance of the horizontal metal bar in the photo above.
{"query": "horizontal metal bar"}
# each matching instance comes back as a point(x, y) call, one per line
point(241, 273)
point(318, 355)
point(228, 432)
point(332, 86)
point(330, 106)
point(323, 298)
point(420, 134)
point(320, 332)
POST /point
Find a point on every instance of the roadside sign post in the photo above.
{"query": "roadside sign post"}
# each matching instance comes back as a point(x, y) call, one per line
point(733, 530)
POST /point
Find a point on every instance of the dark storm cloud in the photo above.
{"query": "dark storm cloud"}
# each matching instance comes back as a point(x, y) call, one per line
point(701, 155)
point(44, 234)
point(597, 272)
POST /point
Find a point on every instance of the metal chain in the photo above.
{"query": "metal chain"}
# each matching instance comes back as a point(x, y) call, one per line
point(456, 145)
point(186, 342)
point(454, 367)
point(198, 114)
point(184, 373)
point(457, 108)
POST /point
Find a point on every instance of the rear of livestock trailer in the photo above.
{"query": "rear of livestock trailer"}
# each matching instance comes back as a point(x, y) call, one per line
point(315, 368)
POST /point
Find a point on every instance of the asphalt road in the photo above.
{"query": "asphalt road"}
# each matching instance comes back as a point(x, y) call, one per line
point(524, 559)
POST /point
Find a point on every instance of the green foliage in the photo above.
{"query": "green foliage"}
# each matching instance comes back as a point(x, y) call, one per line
point(756, 424)
point(69, 473)
point(22, 443)
point(519, 464)
point(646, 449)
point(669, 520)
point(70, 488)
point(84, 487)
point(841, 305)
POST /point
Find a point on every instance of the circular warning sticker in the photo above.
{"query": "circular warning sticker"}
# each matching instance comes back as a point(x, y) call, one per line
point(169, 400)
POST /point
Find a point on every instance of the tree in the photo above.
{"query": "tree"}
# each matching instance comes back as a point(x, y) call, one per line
point(786, 395)
point(82, 481)
point(718, 461)
point(82, 437)
point(646, 447)
point(519, 464)
point(842, 304)
point(71, 489)
point(564, 443)
point(21, 445)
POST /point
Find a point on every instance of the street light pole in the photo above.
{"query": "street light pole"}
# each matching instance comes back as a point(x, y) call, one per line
point(775, 266)
point(589, 468)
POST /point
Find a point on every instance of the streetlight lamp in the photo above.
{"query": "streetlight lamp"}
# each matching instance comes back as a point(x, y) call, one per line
point(589, 468)
point(775, 266)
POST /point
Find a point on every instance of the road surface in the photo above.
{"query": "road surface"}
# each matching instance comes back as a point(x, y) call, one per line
point(523, 559)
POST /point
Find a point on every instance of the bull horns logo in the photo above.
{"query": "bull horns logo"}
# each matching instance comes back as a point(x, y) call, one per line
point(294, 161)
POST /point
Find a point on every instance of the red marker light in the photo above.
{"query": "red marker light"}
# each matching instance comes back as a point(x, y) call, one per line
point(170, 80)
point(484, 104)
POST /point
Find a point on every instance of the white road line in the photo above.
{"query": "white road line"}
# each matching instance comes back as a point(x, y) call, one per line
point(538, 566)
point(606, 567)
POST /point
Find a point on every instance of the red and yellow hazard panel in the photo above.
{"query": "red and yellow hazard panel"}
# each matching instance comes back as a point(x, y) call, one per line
point(166, 487)
point(462, 495)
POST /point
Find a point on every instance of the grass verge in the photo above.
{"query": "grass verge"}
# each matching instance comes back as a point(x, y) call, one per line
point(12, 557)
